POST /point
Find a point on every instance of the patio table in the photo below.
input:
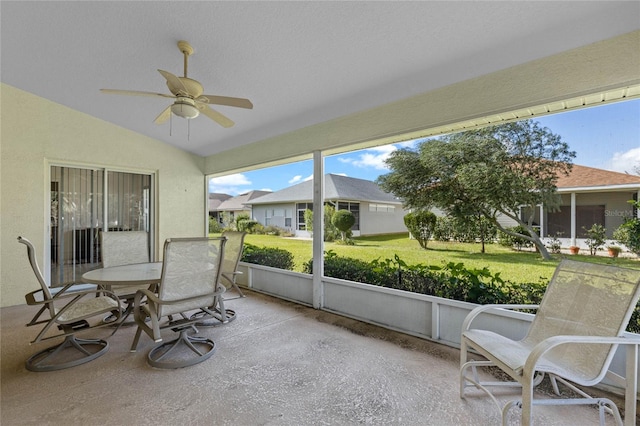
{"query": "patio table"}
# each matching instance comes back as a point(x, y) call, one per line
point(125, 275)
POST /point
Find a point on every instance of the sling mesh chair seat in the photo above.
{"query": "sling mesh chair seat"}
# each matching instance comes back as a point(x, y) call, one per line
point(232, 255)
point(70, 311)
point(190, 274)
point(577, 328)
point(124, 248)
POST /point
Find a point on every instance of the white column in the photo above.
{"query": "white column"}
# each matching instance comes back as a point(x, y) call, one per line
point(543, 225)
point(573, 218)
point(318, 229)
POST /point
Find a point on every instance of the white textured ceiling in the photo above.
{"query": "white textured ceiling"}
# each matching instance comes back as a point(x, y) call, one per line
point(300, 63)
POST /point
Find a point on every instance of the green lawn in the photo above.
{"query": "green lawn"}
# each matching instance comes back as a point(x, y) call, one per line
point(513, 266)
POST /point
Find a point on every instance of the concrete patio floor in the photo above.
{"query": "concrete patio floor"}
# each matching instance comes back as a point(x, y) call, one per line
point(278, 363)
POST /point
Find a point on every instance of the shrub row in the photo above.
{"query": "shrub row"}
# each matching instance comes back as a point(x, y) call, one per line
point(470, 230)
point(268, 256)
point(450, 281)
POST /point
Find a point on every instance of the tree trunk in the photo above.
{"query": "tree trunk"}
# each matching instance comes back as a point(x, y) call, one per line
point(533, 237)
point(541, 247)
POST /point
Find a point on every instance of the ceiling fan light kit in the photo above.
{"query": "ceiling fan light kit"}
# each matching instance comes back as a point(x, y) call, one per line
point(185, 108)
point(189, 100)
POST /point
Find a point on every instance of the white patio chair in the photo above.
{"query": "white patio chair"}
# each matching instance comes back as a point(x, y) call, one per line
point(190, 275)
point(124, 248)
point(573, 337)
point(70, 312)
point(232, 255)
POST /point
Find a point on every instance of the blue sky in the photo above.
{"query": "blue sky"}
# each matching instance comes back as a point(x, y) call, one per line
point(605, 137)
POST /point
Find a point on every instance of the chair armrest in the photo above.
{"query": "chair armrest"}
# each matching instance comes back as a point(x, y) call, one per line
point(31, 298)
point(549, 343)
point(631, 368)
point(153, 297)
point(466, 324)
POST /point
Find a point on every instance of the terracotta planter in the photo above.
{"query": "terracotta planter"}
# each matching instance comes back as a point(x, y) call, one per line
point(613, 251)
point(574, 249)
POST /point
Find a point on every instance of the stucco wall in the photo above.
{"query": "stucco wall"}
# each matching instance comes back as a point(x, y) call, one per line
point(35, 132)
point(258, 213)
point(374, 223)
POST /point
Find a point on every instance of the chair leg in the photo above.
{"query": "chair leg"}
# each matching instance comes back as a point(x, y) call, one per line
point(217, 315)
point(45, 360)
point(128, 311)
point(238, 289)
point(463, 360)
point(158, 356)
point(235, 286)
point(136, 339)
point(527, 400)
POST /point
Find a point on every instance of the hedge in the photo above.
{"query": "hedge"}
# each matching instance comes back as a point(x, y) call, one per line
point(268, 256)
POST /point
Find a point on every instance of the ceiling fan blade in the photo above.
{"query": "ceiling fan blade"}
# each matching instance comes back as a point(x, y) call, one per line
point(215, 115)
point(174, 83)
point(226, 100)
point(134, 93)
point(163, 116)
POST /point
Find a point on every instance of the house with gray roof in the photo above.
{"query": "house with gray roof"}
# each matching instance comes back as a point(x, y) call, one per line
point(376, 211)
point(215, 199)
point(231, 207)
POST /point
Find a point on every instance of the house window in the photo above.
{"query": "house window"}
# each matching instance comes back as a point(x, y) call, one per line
point(354, 208)
point(586, 216)
point(301, 208)
point(382, 208)
point(288, 218)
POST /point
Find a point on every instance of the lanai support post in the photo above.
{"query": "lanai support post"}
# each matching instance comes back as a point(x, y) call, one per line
point(318, 229)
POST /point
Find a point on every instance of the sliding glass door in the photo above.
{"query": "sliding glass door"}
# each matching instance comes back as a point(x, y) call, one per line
point(85, 202)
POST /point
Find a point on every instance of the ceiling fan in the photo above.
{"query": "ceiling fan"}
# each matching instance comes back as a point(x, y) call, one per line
point(189, 100)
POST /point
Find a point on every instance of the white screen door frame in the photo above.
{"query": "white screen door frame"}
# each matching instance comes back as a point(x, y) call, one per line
point(82, 202)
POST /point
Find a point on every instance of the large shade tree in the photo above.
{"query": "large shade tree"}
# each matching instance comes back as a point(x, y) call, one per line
point(490, 171)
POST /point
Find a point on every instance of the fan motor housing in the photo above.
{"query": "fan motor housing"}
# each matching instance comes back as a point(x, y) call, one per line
point(194, 88)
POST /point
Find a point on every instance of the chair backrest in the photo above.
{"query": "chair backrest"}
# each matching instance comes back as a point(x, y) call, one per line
point(191, 267)
point(585, 299)
point(124, 248)
point(31, 253)
point(232, 251)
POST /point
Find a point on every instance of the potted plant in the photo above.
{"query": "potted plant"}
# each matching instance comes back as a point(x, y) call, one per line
point(614, 251)
point(574, 249)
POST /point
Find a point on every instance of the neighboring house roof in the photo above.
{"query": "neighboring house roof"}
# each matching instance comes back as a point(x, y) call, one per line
point(589, 177)
point(215, 199)
point(336, 187)
point(240, 202)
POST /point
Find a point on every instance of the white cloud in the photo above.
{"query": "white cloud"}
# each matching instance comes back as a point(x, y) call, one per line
point(624, 162)
point(371, 158)
point(230, 184)
point(295, 179)
point(234, 179)
point(310, 177)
